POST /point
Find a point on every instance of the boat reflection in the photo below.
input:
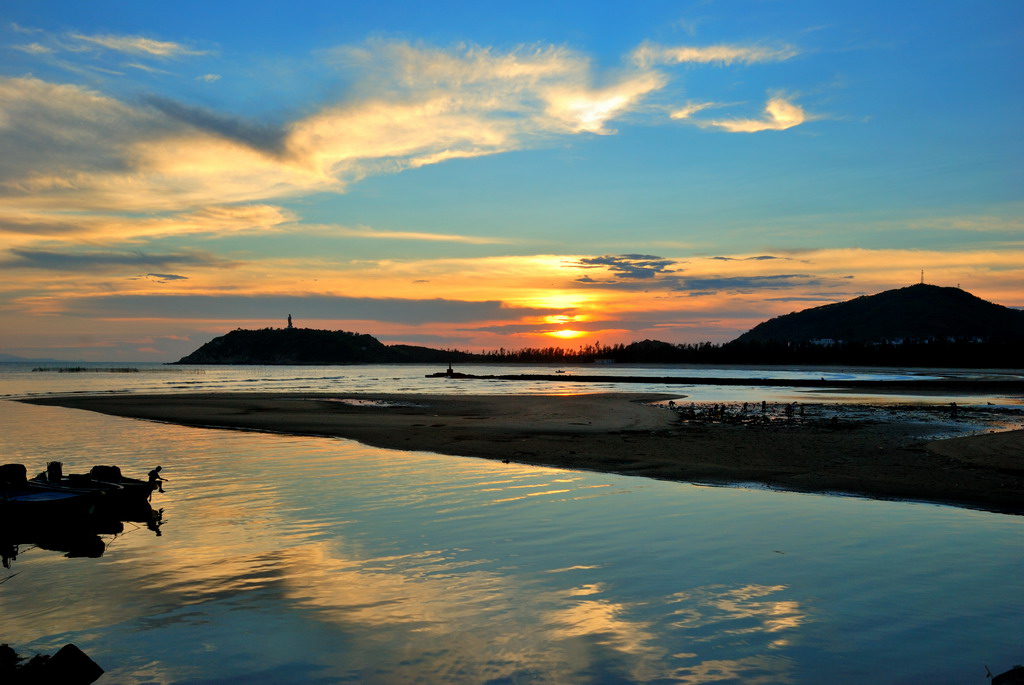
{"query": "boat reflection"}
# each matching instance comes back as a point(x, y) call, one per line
point(74, 536)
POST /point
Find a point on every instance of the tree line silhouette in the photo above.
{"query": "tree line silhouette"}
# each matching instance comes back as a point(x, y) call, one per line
point(943, 353)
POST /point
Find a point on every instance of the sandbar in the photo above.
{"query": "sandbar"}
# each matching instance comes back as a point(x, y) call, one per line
point(624, 433)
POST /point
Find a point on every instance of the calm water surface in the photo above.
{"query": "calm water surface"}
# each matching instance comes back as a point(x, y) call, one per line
point(309, 560)
point(20, 379)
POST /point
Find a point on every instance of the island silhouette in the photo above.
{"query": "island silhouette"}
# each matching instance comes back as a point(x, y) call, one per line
point(920, 325)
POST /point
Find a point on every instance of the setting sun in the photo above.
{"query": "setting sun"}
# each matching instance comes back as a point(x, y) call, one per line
point(563, 319)
point(566, 334)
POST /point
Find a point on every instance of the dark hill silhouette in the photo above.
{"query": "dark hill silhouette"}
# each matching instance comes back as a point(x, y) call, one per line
point(921, 325)
point(311, 346)
point(919, 312)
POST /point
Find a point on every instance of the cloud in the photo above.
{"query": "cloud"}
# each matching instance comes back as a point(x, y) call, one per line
point(216, 220)
point(164, 278)
point(648, 54)
point(759, 258)
point(585, 110)
point(691, 108)
point(18, 28)
point(139, 45)
point(629, 266)
point(312, 307)
point(527, 328)
point(747, 284)
point(146, 68)
point(376, 234)
point(54, 135)
point(73, 150)
point(831, 298)
point(259, 137)
point(88, 261)
point(209, 78)
point(34, 49)
point(779, 114)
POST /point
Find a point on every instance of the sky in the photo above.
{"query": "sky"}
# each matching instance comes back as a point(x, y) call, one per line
point(478, 175)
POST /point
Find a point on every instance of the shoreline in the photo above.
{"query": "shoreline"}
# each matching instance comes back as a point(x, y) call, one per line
point(883, 455)
point(965, 387)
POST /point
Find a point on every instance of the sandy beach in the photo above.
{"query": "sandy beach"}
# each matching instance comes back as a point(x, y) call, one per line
point(856, 450)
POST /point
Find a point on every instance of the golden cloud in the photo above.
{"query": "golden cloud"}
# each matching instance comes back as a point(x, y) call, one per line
point(779, 114)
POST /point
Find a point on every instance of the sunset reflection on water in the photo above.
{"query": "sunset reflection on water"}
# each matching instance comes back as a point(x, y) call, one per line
point(290, 559)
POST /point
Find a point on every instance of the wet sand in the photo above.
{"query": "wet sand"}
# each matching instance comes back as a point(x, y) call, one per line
point(892, 458)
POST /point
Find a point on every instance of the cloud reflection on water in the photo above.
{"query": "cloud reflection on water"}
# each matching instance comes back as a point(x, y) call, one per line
point(345, 562)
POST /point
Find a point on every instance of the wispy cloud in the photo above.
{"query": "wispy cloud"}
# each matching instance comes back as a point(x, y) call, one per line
point(145, 67)
point(758, 258)
point(87, 261)
point(216, 220)
point(779, 114)
point(243, 307)
point(652, 54)
point(692, 108)
point(166, 278)
point(50, 43)
point(747, 284)
point(377, 234)
point(18, 28)
point(34, 49)
point(139, 45)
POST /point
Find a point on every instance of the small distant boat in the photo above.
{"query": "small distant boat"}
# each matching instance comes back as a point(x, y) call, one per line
point(450, 373)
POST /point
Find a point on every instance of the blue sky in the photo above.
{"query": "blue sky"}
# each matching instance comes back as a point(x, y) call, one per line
point(480, 175)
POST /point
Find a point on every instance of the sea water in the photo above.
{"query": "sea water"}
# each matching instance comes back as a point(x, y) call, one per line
point(285, 559)
point(22, 379)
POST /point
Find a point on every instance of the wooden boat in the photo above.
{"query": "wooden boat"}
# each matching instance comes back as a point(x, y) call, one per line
point(102, 479)
point(34, 503)
point(24, 500)
point(115, 495)
point(54, 478)
point(132, 488)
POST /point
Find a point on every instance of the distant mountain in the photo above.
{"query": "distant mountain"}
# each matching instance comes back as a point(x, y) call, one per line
point(15, 358)
point(311, 346)
point(918, 312)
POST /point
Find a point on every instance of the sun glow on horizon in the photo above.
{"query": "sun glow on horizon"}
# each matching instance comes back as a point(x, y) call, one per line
point(566, 334)
point(563, 319)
